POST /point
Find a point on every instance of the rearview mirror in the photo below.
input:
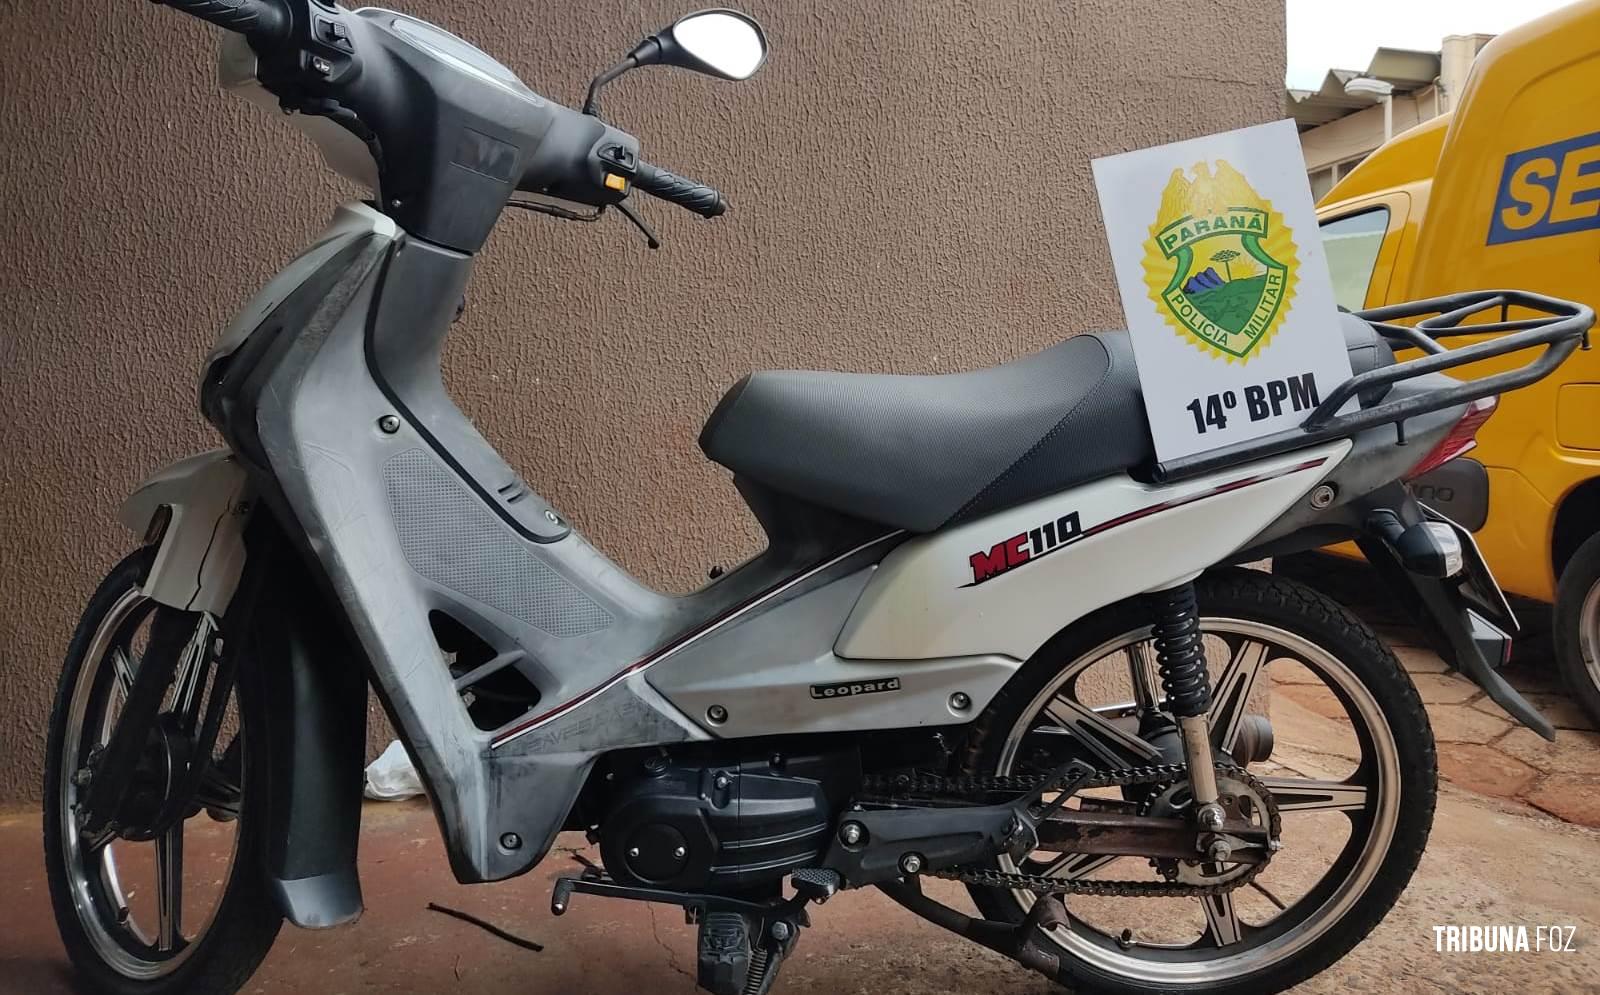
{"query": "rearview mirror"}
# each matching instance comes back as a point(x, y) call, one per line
point(722, 43)
point(716, 42)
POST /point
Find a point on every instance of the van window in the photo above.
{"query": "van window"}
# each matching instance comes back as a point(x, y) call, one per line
point(1351, 245)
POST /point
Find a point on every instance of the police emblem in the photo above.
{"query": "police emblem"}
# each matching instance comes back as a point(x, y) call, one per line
point(1219, 262)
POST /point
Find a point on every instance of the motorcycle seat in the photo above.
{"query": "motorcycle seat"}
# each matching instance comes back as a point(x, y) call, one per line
point(921, 452)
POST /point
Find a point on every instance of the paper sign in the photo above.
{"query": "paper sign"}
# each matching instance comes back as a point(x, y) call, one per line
point(1223, 281)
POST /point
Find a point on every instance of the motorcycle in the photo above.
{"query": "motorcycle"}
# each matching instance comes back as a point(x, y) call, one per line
point(991, 638)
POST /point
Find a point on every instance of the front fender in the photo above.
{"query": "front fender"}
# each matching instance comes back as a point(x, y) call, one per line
point(304, 695)
point(199, 506)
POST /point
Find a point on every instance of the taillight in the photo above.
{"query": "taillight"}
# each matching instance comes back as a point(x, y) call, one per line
point(1461, 439)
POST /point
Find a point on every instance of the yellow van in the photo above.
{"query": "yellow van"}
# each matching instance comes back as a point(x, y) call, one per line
point(1504, 191)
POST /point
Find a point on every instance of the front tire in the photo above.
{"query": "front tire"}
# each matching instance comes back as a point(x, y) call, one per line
point(1577, 626)
point(1396, 770)
point(112, 950)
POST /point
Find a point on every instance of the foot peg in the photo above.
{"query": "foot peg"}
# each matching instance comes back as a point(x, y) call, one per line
point(816, 884)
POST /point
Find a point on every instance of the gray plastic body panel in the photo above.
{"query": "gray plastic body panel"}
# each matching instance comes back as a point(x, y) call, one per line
point(318, 426)
point(419, 291)
point(351, 222)
point(400, 530)
point(1459, 489)
point(778, 675)
point(1375, 460)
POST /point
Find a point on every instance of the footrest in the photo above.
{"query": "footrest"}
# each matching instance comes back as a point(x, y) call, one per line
point(817, 884)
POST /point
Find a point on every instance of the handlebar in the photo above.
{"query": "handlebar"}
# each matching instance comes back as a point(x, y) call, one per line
point(697, 197)
point(262, 20)
point(402, 87)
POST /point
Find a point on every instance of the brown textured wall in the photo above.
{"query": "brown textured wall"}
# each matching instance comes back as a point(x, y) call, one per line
point(910, 187)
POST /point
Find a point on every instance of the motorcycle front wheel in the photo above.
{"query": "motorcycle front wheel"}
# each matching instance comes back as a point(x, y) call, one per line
point(1334, 744)
point(171, 897)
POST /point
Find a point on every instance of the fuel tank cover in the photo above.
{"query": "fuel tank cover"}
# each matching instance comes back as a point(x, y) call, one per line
point(1578, 416)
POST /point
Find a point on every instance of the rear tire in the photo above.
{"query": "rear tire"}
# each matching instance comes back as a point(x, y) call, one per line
point(1261, 599)
point(246, 918)
point(1577, 626)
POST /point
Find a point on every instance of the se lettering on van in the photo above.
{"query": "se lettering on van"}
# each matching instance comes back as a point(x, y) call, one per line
point(1549, 190)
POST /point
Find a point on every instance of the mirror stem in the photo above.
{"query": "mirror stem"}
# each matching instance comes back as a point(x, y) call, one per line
point(591, 104)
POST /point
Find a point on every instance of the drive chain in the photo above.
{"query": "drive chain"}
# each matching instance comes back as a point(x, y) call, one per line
point(920, 786)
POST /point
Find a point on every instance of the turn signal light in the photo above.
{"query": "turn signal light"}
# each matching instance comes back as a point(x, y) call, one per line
point(1461, 439)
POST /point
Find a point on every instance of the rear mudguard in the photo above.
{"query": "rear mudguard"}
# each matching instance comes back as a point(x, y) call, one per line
point(1458, 632)
point(301, 685)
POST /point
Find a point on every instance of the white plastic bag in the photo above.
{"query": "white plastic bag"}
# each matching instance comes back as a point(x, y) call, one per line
point(391, 778)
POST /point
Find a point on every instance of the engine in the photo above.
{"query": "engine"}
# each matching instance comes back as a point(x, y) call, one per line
point(725, 828)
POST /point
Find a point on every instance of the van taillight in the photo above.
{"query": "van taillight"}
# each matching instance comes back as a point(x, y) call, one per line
point(1461, 439)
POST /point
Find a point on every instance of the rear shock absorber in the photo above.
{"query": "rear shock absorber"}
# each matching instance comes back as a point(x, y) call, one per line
point(1181, 662)
point(1180, 654)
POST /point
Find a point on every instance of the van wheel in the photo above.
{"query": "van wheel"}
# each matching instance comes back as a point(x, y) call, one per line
point(1577, 626)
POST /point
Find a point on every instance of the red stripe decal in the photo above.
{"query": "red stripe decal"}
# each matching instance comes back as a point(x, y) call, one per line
point(1153, 509)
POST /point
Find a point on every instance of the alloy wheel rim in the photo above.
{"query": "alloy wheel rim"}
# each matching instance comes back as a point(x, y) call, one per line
point(1372, 828)
point(94, 879)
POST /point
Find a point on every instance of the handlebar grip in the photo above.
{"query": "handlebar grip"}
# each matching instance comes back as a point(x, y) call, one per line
point(697, 197)
point(262, 20)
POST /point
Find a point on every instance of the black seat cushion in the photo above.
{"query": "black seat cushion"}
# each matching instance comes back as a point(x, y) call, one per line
point(920, 452)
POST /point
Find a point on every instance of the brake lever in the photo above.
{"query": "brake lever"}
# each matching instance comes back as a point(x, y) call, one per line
point(556, 210)
point(632, 215)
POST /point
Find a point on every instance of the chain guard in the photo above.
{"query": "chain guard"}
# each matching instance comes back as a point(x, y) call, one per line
point(903, 787)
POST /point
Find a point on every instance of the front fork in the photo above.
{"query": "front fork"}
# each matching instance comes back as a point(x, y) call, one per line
point(1181, 664)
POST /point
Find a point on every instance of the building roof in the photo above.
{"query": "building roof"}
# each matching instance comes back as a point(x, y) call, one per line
point(1405, 69)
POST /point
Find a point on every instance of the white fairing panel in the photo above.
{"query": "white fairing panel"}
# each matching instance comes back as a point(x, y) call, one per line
point(202, 550)
point(1006, 583)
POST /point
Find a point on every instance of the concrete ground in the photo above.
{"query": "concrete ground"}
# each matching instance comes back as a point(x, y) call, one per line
point(1491, 861)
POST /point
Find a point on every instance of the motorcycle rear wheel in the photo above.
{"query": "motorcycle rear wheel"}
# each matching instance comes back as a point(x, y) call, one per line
point(118, 945)
point(1388, 797)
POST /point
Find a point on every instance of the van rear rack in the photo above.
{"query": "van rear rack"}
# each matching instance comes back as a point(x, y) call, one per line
point(1556, 325)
